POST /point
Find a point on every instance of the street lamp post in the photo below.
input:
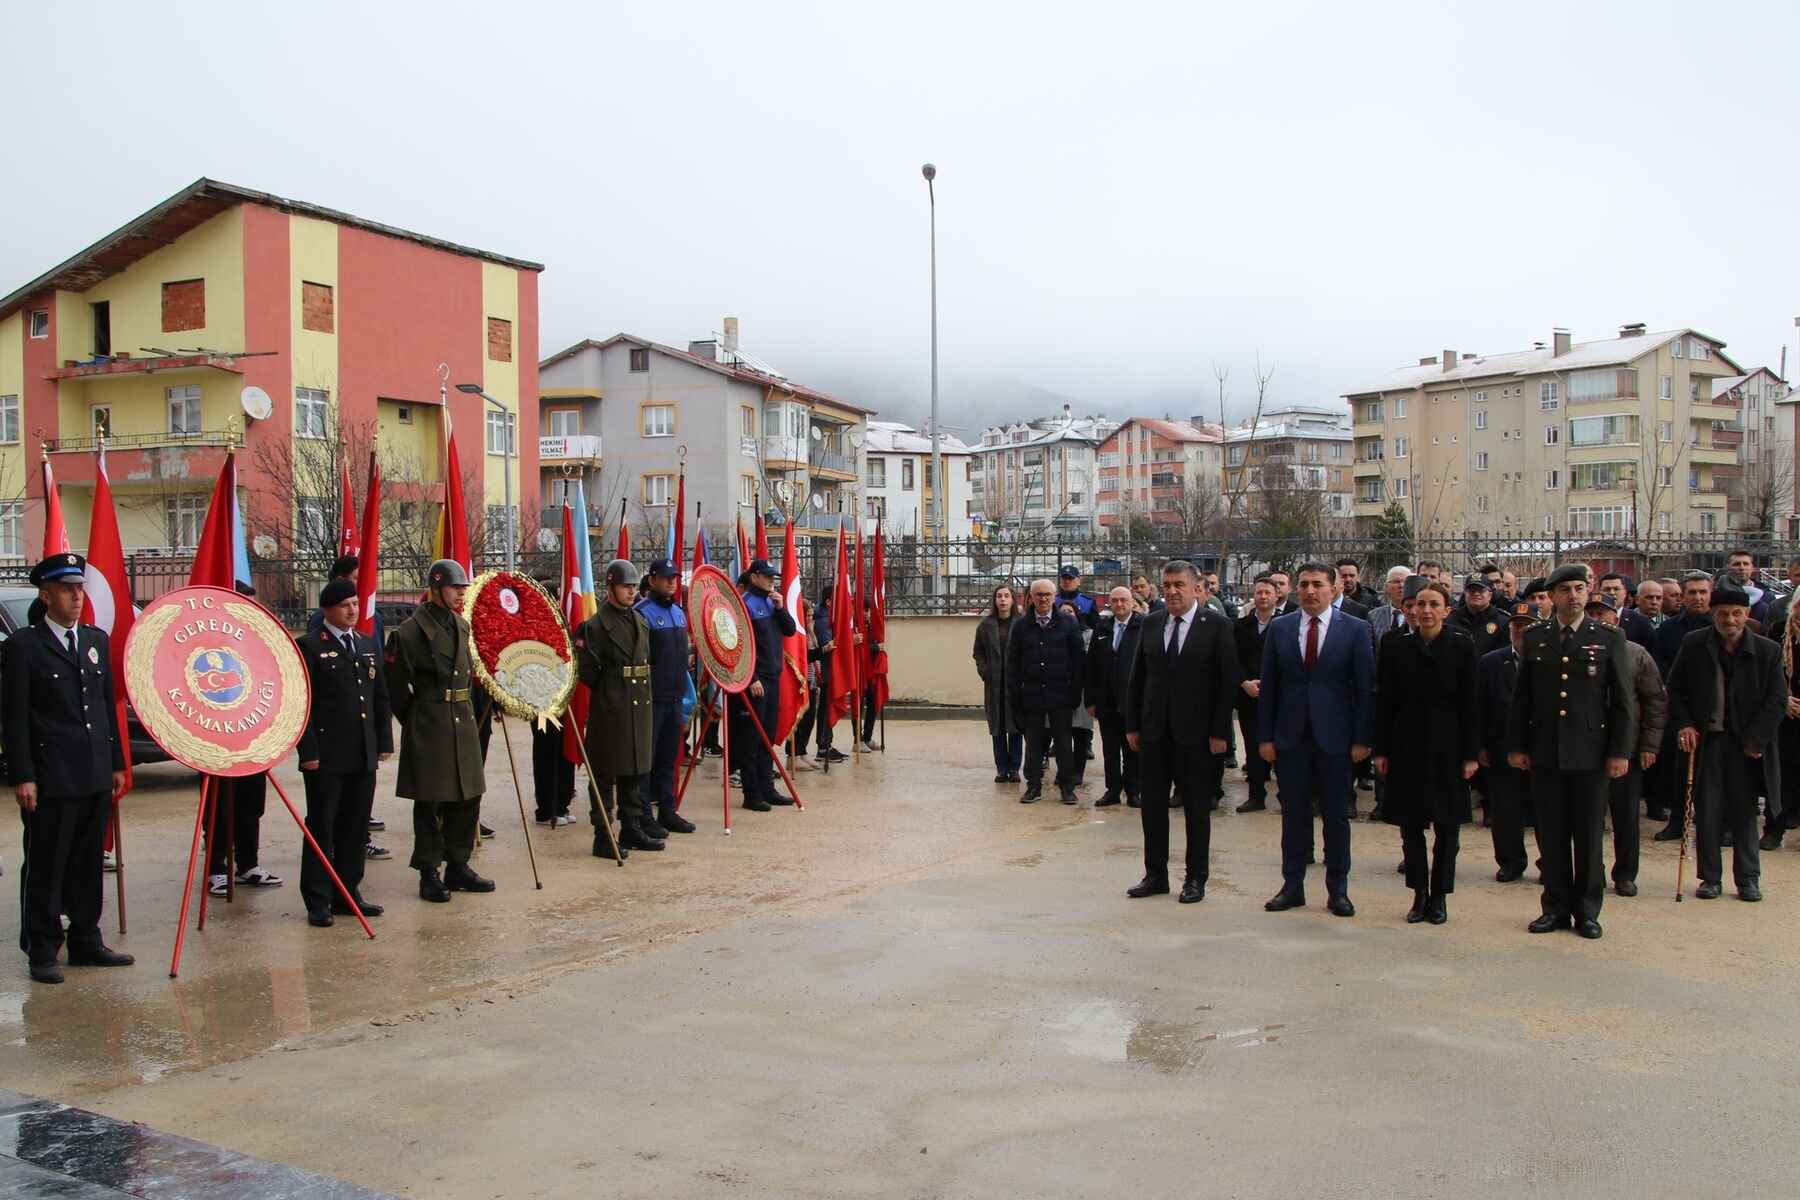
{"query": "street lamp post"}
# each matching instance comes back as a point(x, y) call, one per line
point(939, 503)
point(508, 423)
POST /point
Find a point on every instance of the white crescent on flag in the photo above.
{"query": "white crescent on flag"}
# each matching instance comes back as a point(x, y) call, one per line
point(99, 596)
point(791, 596)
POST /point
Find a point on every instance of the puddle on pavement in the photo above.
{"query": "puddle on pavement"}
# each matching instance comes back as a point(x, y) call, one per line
point(1111, 1032)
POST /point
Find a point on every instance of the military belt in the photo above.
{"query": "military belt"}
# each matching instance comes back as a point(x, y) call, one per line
point(635, 672)
point(450, 696)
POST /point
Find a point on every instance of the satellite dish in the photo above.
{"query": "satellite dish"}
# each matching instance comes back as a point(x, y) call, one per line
point(818, 435)
point(264, 545)
point(256, 402)
point(818, 501)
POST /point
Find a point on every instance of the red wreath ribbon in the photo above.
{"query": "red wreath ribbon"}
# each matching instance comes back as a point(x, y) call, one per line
point(495, 629)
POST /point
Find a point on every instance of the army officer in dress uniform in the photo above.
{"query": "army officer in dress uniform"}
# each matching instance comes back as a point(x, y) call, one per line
point(440, 748)
point(613, 649)
point(1572, 726)
point(347, 732)
point(67, 765)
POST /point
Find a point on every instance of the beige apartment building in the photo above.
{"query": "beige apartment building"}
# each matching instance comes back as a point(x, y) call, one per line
point(1614, 436)
point(1154, 467)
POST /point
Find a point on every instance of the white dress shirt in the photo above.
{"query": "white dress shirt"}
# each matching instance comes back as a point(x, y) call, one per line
point(1324, 619)
point(1187, 624)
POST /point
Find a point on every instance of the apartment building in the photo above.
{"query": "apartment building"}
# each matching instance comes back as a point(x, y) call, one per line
point(1296, 448)
point(1156, 468)
point(1611, 436)
point(1039, 474)
point(228, 319)
point(741, 428)
point(899, 485)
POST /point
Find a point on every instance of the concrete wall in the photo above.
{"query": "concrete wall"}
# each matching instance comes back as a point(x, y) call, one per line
point(930, 659)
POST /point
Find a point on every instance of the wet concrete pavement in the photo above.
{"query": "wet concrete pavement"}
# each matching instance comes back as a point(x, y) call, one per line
point(919, 987)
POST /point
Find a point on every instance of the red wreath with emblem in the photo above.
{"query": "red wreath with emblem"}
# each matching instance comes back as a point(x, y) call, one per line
point(520, 645)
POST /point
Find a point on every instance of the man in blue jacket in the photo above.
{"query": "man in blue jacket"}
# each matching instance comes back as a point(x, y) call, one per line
point(670, 685)
point(1044, 657)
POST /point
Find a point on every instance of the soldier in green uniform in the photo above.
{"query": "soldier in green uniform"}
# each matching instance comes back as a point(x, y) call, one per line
point(1573, 727)
point(440, 748)
point(613, 647)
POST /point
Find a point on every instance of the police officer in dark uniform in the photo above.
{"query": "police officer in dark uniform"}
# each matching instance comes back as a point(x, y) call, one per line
point(769, 623)
point(440, 750)
point(66, 765)
point(670, 686)
point(613, 657)
point(1508, 795)
point(347, 732)
point(1573, 727)
point(1477, 617)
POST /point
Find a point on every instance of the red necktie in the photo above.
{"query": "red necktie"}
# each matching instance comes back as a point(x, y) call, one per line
point(1312, 641)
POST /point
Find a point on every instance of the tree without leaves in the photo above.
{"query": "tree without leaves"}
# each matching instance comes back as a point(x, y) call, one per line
point(1768, 486)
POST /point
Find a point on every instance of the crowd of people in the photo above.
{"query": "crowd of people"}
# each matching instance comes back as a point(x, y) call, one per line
point(1552, 703)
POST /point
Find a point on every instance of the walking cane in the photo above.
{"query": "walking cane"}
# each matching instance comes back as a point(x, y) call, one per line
point(520, 793)
point(1687, 820)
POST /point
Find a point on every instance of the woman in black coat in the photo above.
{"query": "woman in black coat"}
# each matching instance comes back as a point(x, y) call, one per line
point(1426, 741)
point(990, 664)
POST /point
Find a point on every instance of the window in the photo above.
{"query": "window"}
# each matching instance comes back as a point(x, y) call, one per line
point(1552, 434)
point(1693, 479)
point(640, 358)
point(310, 408)
point(1481, 419)
point(877, 472)
point(100, 421)
point(1709, 523)
point(101, 311)
point(183, 305)
point(796, 423)
point(185, 515)
point(1549, 395)
point(1596, 477)
point(9, 419)
point(184, 409)
point(1665, 388)
point(906, 474)
point(40, 322)
point(565, 422)
point(499, 339)
point(1699, 349)
point(1401, 487)
point(403, 414)
point(560, 493)
point(659, 420)
point(1603, 431)
point(318, 308)
point(1235, 456)
point(1665, 431)
point(493, 529)
point(12, 529)
point(1372, 411)
point(502, 432)
point(1675, 347)
point(1552, 480)
point(1694, 390)
point(1481, 504)
point(311, 529)
point(747, 491)
point(1597, 520)
point(657, 489)
point(746, 421)
point(1662, 522)
point(1481, 460)
point(1399, 407)
point(1399, 447)
point(1337, 449)
point(1481, 397)
point(1549, 523)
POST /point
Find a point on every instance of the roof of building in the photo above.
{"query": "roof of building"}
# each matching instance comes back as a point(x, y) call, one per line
point(1721, 386)
point(1270, 429)
point(734, 370)
point(1044, 430)
point(891, 437)
point(1174, 431)
point(185, 211)
point(1602, 352)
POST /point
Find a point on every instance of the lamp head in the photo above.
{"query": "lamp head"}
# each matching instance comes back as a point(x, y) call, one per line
point(474, 389)
point(930, 173)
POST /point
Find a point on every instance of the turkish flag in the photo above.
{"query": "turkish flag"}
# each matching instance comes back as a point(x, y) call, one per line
point(368, 563)
point(215, 558)
point(347, 512)
point(793, 647)
point(877, 630)
point(56, 534)
point(842, 694)
point(107, 600)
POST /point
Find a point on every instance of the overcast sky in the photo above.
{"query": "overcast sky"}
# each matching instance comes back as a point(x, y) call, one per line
point(1128, 194)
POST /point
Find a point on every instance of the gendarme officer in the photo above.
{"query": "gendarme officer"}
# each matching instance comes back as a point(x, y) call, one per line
point(66, 765)
point(440, 749)
point(347, 733)
point(1573, 727)
point(613, 650)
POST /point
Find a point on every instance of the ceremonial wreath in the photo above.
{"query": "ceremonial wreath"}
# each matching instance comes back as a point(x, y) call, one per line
point(520, 645)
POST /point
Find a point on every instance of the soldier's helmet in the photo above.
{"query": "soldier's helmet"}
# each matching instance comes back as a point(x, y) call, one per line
point(446, 572)
point(621, 570)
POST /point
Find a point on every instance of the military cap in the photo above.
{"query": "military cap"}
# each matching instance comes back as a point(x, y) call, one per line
point(1573, 573)
point(621, 570)
point(1521, 610)
point(1535, 586)
point(1601, 600)
point(336, 592)
point(58, 567)
point(662, 568)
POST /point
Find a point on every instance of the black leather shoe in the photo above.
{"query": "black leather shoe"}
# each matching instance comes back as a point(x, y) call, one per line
point(459, 877)
point(1548, 923)
point(779, 799)
point(1068, 793)
point(673, 821)
point(1249, 806)
point(1588, 928)
point(1401, 869)
point(1193, 891)
point(1508, 874)
point(1340, 906)
point(1033, 793)
point(635, 837)
point(1285, 899)
point(1149, 885)
point(1769, 841)
point(431, 887)
point(603, 847)
point(368, 909)
point(1000, 778)
point(99, 956)
point(47, 972)
point(1707, 891)
point(1416, 913)
point(1436, 910)
point(1668, 833)
point(1375, 814)
point(1625, 887)
point(756, 804)
point(1749, 892)
point(1657, 814)
point(1131, 800)
point(1107, 800)
point(319, 919)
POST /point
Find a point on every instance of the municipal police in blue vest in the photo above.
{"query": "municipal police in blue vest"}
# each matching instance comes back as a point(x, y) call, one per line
point(66, 765)
point(1574, 728)
point(613, 657)
point(769, 623)
point(1070, 597)
point(347, 732)
point(671, 690)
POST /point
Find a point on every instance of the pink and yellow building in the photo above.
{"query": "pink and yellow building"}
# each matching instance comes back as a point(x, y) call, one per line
point(164, 336)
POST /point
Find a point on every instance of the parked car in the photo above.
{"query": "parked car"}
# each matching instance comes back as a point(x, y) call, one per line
point(15, 603)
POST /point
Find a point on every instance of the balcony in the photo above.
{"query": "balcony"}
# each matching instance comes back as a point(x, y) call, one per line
point(832, 465)
point(201, 439)
point(1707, 496)
point(1702, 410)
point(1713, 455)
point(570, 448)
point(813, 521)
point(1368, 468)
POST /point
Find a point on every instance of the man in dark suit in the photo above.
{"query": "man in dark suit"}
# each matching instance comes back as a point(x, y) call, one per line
point(1249, 631)
point(1111, 652)
point(347, 732)
point(1508, 793)
point(1573, 727)
point(1315, 717)
point(1177, 714)
point(1727, 698)
point(1349, 573)
point(66, 765)
point(1666, 781)
point(1044, 659)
